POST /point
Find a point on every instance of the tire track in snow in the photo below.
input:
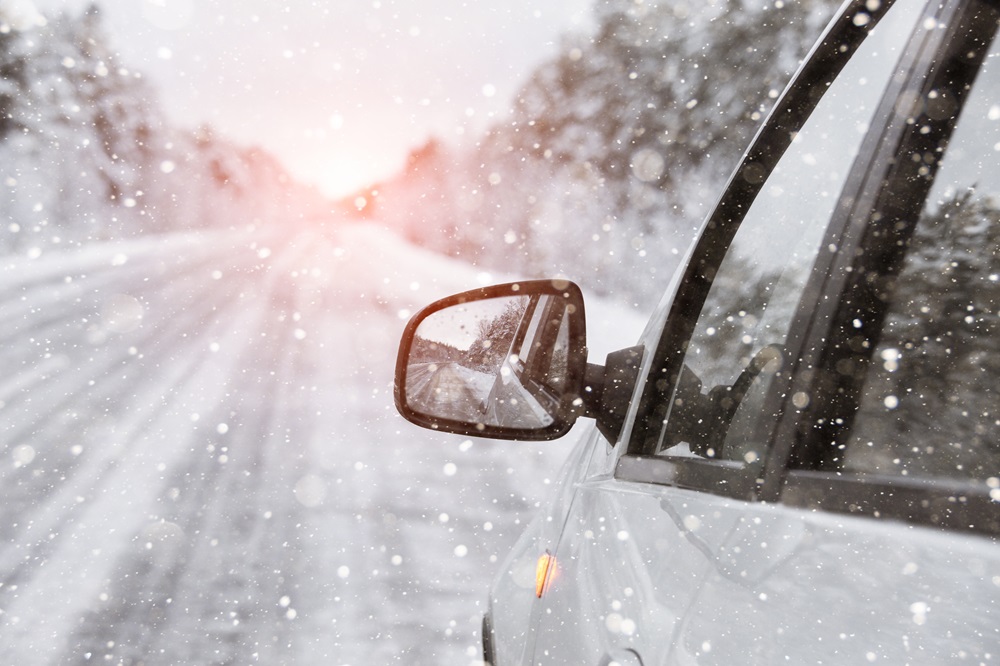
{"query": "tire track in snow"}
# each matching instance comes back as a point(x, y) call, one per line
point(106, 350)
point(193, 576)
point(90, 413)
point(237, 593)
point(197, 571)
point(144, 426)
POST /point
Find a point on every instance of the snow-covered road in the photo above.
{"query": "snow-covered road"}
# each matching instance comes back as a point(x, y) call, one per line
point(200, 462)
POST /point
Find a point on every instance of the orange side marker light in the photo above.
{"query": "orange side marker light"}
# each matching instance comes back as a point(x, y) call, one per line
point(545, 572)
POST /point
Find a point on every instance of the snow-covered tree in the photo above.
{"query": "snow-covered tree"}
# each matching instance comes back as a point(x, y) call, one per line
point(617, 146)
point(86, 153)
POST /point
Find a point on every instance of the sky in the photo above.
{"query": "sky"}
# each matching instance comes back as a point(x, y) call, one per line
point(339, 91)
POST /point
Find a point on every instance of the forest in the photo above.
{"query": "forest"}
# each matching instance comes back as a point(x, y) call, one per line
point(612, 152)
point(87, 154)
point(615, 150)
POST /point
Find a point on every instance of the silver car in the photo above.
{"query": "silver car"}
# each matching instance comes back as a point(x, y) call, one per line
point(799, 462)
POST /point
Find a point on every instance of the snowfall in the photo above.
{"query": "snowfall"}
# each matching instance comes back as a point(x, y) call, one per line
point(200, 461)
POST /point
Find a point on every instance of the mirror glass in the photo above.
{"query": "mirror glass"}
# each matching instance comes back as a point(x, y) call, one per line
point(499, 362)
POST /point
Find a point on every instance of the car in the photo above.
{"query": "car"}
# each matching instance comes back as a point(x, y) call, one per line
point(799, 462)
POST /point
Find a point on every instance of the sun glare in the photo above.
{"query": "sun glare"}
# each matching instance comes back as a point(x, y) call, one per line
point(344, 177)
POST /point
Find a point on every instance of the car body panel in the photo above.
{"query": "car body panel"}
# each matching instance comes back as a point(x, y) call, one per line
point(629, 573)
point(797, 586)
point(513, 603)
point(682, 577)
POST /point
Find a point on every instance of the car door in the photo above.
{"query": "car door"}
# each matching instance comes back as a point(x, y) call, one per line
point(669, 553)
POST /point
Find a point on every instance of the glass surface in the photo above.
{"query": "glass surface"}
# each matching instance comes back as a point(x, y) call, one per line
point(500, 362)
point(930, 405)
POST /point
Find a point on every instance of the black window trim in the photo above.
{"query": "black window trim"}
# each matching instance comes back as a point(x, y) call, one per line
point(720, 477)
point(938, 503)
point(821, 67)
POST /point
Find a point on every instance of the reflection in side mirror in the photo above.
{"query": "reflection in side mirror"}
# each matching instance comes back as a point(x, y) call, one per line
point(505, 361)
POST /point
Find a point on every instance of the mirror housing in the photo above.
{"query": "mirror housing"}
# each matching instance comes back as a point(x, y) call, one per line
point(505, 362)
point(510, 362)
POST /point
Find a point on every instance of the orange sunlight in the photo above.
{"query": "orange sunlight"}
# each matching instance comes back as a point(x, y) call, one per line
point(344, 175)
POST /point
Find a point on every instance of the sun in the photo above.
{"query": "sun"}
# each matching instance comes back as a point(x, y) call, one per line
point(342, 177)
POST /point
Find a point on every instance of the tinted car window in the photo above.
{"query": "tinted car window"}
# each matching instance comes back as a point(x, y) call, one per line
point(738, 340)
point(930, 405)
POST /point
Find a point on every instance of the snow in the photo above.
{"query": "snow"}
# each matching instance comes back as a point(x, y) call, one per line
point(200, 461)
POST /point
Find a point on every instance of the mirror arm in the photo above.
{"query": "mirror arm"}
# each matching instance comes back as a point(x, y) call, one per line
point(608, 390)
point(593, 391)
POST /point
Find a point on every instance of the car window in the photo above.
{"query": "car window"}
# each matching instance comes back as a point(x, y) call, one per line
point(930, 403)
point(737, 343)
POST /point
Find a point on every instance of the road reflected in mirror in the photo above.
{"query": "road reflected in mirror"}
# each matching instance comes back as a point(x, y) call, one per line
point(498, 362)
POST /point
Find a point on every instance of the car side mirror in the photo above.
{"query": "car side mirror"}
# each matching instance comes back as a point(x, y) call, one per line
point(506, 362)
